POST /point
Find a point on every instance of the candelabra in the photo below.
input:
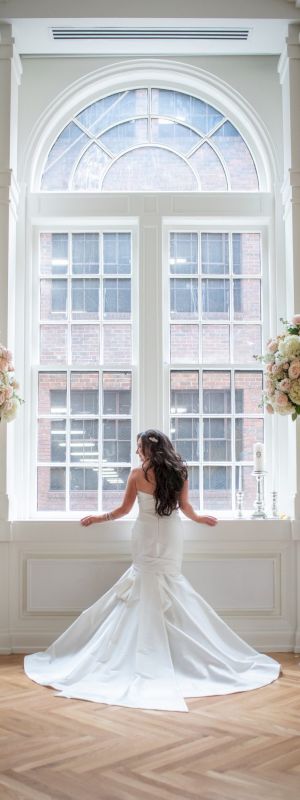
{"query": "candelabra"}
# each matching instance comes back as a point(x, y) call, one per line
point(274, 508)
point(239, 504)
point(259, 505)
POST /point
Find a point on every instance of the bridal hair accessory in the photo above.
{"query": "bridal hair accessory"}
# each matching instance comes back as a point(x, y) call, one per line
point(153, 439)
point(9, 398)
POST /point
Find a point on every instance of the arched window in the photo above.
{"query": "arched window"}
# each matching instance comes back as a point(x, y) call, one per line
point(149, 140)
point(150, 307)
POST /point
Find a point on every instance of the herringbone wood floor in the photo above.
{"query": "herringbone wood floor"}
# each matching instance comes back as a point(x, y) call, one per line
point(238, 747)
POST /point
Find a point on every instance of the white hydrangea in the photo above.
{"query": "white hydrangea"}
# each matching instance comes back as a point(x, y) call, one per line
point(289, 347)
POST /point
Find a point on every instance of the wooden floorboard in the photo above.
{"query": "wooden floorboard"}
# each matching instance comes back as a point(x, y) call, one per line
point(236, 747)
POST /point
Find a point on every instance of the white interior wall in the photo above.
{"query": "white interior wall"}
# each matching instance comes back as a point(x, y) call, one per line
point(220, 563)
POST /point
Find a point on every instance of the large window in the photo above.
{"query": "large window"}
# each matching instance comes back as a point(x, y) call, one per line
point(85, 376)
point(215, 385)
point(149, 140)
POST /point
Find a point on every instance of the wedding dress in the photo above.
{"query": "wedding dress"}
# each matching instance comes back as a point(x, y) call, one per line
point(151, 640)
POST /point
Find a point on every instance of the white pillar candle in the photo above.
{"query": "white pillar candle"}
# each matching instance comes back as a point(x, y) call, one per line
point(258, 457)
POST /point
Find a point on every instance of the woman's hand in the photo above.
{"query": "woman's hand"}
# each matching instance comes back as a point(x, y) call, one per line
point(208, 520)
point(89, 520)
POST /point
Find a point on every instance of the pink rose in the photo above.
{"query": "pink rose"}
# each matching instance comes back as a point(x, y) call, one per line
point(294, 369)
point(2, 398)
point(296, 319)
point(277, 370)
point(270, 389)
point(8, 392)
point(269, 408)
point(10, 367)
point(3, 364)
point(269, 368)
point(272, 346)
point(284, 385)
point(281, 399)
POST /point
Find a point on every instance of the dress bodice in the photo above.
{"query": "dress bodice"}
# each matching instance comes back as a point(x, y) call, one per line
point(156, 541)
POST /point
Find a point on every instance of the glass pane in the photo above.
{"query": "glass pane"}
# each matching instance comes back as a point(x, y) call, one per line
point(89, 172)
point(83, 488)
point(215, 344)
point(85, 298)
point(52, 393)
point(51, 489)
point(185, 108)
point(84, 441)
point(248, 391)
point(116, 440)
point(117, 298)
point(114, 481)
point(121, 137)
point(246, 294)
point(62, 157)
point(246, 253)
point(117, 253)
point(217, 439)
point(183, 253)
point(149, 169)
point(248, 484)
point(53, 344)
point(114, 108)
point(208, 167)
point(184, 392)
point(51, 440)
point(247, 432)
point(53, 299)
point(185, 437)
point(217, 488)
point(185, 344)
point(184, 297)
point(242, 172)
point(172, 134)
point(85, 344)
point(117, 344)
point(246, 342)
point(84, 392)
point(117, 393)
point(194, 485)
point(85, 253)
point(215, 298)
point(54, 253)
point(216, 392)
point(215, 253)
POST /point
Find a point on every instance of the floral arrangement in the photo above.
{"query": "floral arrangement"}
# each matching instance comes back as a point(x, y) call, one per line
point(282, 371)
point(9, 399)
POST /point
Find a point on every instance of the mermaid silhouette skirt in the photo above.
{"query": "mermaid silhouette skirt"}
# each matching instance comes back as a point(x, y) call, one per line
point(151, 640)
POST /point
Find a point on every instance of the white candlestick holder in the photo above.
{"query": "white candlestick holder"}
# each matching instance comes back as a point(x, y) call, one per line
point(274, 506)
point(259, 504)
point(239, 504)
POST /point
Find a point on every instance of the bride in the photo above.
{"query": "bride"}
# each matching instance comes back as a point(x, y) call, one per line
point(151, 640)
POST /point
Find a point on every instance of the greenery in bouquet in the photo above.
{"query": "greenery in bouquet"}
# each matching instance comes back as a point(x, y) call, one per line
point(9, 397)
point(282, 371)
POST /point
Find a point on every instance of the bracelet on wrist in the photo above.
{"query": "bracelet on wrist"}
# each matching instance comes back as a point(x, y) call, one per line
point(108, 516)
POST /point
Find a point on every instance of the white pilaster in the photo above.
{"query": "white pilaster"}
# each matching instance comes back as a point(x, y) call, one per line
point(289, 71)
point(10, 73)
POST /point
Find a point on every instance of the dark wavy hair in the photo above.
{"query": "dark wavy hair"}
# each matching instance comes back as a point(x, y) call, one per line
point(168, 467)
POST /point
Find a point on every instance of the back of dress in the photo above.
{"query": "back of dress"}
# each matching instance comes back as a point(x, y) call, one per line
point(156, 541)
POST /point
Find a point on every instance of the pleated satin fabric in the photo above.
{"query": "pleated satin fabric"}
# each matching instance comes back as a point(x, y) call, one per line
point(151, 641)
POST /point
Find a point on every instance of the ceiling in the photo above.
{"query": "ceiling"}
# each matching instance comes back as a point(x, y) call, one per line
point(247, 27)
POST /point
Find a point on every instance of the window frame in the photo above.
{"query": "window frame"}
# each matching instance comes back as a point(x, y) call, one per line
point(66, 225)
point(238, 224)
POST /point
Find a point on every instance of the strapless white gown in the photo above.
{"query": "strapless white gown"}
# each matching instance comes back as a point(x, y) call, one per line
point(151, 640)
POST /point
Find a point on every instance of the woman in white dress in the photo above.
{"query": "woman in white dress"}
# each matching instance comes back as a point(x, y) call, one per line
point(151, 641)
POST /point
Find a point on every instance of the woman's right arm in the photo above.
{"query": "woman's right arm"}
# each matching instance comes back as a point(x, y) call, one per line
point(187, 509)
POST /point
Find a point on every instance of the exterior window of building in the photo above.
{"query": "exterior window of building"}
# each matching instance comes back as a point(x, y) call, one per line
point(85, 370)
point(215, 384)
point(150, 140)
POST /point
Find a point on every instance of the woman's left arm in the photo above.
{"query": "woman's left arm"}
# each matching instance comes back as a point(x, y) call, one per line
point(121, 511)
